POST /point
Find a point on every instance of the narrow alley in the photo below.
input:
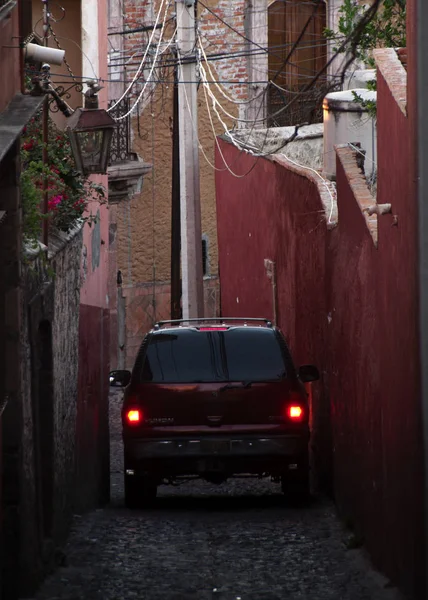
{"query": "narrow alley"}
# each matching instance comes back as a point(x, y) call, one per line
point(206, 542)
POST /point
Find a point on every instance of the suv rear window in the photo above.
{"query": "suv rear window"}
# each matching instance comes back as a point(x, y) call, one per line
point(190, 355)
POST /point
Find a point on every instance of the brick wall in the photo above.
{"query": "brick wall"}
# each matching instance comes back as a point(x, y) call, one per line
point(351, 165)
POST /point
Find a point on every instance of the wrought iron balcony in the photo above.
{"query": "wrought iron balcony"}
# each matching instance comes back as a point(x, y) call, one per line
point(121, 142)
point(306, 108)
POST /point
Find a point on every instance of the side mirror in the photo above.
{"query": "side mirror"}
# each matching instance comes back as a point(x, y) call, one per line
point(308, 373)
point(119, 378)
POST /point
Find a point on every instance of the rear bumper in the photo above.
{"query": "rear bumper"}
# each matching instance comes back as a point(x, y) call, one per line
point(232, 455)
point(286, 445)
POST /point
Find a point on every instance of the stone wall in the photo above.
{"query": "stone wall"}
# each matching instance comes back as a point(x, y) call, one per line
point(48, 399)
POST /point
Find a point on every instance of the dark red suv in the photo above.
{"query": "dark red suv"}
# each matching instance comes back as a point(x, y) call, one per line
point(214, 398)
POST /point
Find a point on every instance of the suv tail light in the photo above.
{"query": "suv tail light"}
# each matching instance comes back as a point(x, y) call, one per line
point(134, 416)
point(295, 412)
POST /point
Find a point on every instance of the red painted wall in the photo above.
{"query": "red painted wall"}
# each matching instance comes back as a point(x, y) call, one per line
point(352, 345)
point(275, 214)
point(398, 330)
point(92, 428)
point(350, 308)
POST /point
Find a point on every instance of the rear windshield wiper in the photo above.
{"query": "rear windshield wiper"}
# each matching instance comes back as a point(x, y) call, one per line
point(231, 386)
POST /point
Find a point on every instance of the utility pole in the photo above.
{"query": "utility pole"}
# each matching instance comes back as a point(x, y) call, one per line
point(190, 205)
point(175, 209)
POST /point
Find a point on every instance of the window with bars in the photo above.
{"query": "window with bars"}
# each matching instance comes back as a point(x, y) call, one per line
point(286, 20)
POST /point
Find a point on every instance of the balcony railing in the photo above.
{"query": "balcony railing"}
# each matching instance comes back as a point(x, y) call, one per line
point(121, 142)
point(306, 108)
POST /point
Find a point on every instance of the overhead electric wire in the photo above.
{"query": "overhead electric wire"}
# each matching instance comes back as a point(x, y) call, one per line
point(161, 81)
point(298, 40)
point(227, 56)
point(352, 39)
point(259, 50)
point(218, 86)
point(138, 30)
point(245, 53)
point(131, 110)
point(230, 26)
point(281, 110)
point(143, 59)
point(195, 129)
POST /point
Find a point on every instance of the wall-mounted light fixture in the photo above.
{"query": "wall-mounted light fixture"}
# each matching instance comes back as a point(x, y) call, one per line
point(90, 129)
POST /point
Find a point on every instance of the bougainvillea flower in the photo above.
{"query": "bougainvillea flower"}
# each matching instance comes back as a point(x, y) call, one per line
point(79, 203)
point(28, 146)
point(54, 202)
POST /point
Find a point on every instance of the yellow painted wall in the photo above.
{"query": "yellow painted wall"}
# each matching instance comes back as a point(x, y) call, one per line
point(144, 227)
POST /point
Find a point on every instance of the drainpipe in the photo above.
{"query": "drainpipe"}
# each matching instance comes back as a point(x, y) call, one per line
point(270, 267)
point(422, 129)
point(21, 45)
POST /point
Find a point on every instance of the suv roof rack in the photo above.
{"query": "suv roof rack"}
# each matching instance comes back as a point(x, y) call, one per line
point(219, 320)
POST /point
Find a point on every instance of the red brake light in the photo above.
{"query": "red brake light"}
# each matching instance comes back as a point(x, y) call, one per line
point(295, 412)
point(134, 416)
point(213, 328)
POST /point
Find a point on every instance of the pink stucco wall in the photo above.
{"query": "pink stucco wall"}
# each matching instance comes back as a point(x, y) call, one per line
point(94, 291)
point(92, 429)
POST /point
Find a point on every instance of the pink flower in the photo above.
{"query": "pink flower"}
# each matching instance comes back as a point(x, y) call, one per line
point(79, 204)
point(54, 202)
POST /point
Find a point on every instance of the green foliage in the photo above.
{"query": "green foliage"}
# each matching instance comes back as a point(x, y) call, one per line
point(68, 191)
point(32, 199)
point(386, 30)
point(369, 105)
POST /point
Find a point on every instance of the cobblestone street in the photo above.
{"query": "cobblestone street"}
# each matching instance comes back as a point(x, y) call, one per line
point(234, 541)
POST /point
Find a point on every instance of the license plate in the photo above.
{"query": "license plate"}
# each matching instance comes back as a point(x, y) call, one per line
point(215, 446)
point(211, 465)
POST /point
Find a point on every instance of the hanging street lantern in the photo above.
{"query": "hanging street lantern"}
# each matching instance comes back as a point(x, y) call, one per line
point(90, 130)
